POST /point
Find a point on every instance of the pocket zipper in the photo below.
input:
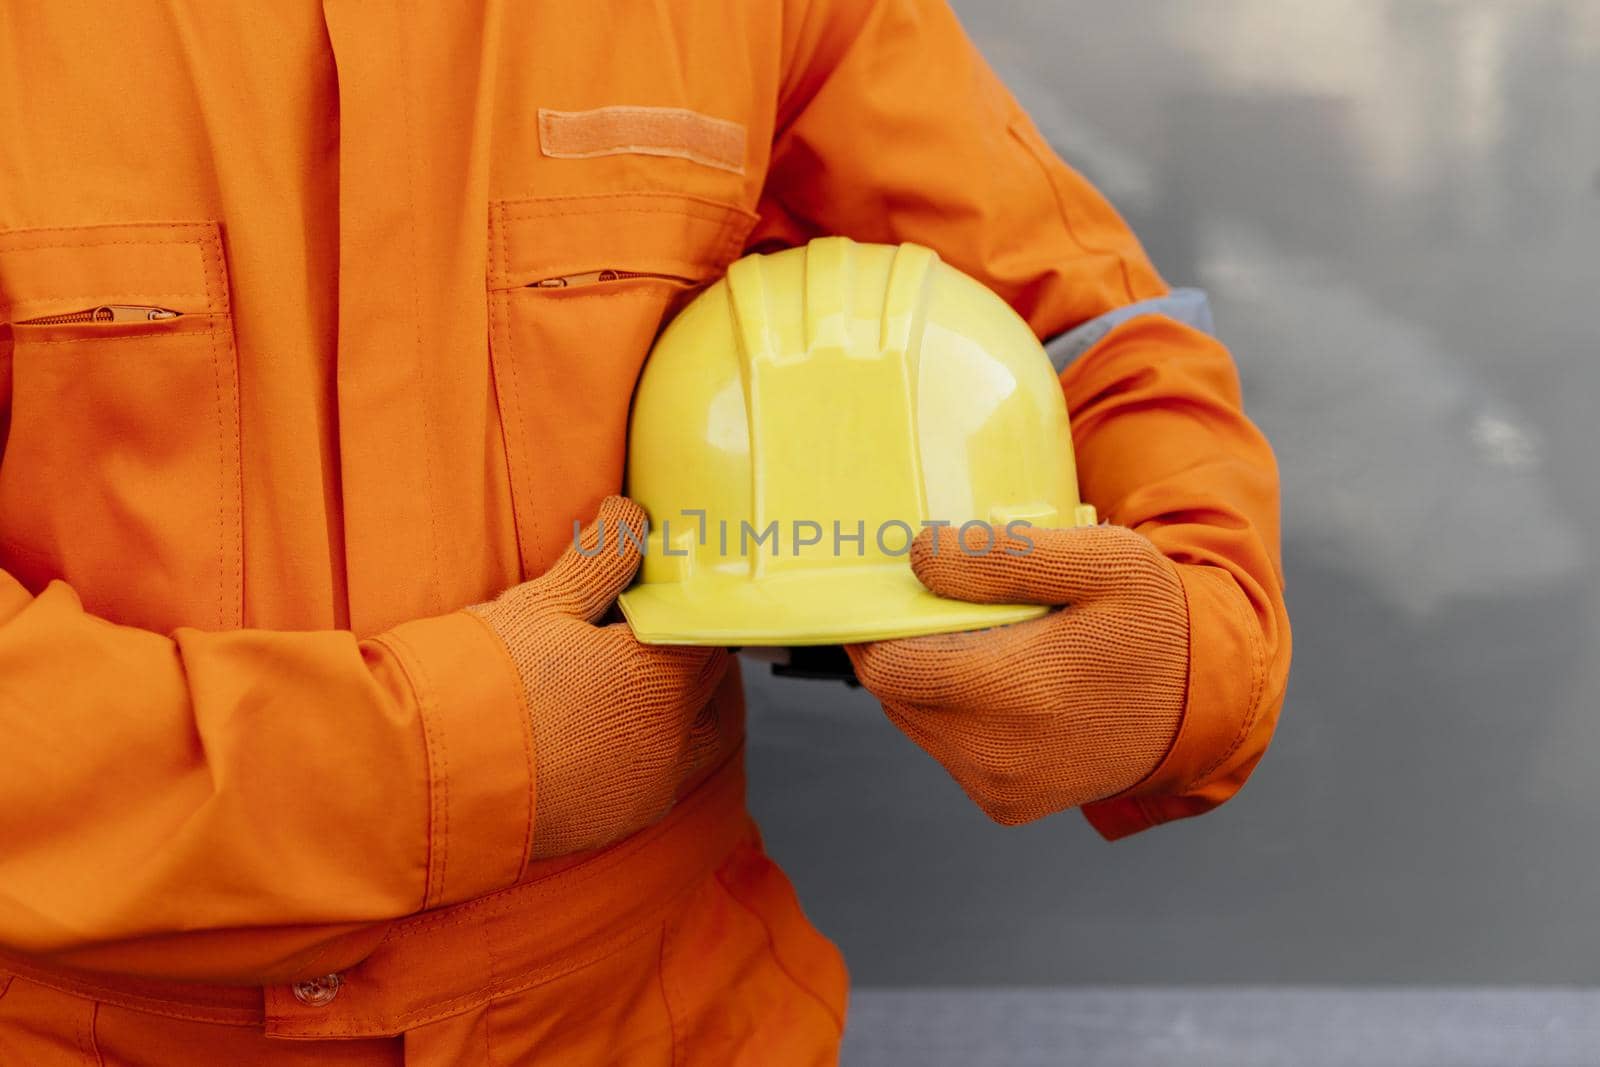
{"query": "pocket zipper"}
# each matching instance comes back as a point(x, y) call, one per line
point(595, 277)
point(105, 313)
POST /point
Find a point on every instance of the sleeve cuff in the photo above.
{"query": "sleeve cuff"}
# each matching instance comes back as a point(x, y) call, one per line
point(480, 754)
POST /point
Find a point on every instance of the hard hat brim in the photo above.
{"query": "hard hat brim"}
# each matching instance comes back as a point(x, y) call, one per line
point(845, 606)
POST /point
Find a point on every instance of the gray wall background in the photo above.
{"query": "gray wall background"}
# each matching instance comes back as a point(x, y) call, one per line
point(1396, 207)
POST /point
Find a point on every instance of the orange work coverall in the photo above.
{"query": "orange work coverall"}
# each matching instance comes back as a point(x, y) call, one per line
point(251, 739)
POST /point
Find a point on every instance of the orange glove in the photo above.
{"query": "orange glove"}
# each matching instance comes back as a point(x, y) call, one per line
point(620, 729)
point(1051, 713)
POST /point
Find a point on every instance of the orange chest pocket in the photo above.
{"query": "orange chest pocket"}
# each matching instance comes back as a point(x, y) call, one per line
point(120, 469)
point(579, 286)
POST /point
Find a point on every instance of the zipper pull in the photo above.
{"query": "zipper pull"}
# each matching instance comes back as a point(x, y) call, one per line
point(105, 313)
point(586, 278)
point(596, 277)
point(132, 313)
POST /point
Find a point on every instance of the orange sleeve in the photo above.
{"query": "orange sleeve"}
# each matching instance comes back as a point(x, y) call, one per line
point(891, 127)
point(246, 805)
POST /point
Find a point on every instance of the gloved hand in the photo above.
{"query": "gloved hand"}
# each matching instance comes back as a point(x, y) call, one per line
point(1051, 713)
point(619, 728)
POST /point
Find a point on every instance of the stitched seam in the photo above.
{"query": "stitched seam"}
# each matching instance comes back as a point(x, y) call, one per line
point(526, 730)
point(772, 949)
point(231, 547)
point(648, 196)
point(1066, 216)
point(215, 266)
point(94, 1036)
point(222, 478)
point(236, 512)
point(411, 672)
point(164, 335)
point(6, 235)
point(525, 446)
point(116, 294)
point(438, 765)
point(149, 1006)
point(85, 988)
point(423, 395)
point(226, 384)
point(495, 970)
point(1246, 619)
point(222, 459)
point(666, 995)
point(147, 242)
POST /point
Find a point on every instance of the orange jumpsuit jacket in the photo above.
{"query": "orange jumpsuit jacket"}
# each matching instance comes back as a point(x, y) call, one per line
point(265, 792)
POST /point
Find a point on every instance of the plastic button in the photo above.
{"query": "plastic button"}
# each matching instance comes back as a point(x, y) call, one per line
point(317, 992)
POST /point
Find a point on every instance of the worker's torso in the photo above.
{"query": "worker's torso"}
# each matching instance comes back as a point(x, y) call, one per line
point(370, 410)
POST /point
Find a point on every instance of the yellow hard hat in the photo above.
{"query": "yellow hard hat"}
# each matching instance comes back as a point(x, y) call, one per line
point(803, 417)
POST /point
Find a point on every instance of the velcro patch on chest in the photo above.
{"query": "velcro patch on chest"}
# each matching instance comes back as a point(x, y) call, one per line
point(650, 131)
